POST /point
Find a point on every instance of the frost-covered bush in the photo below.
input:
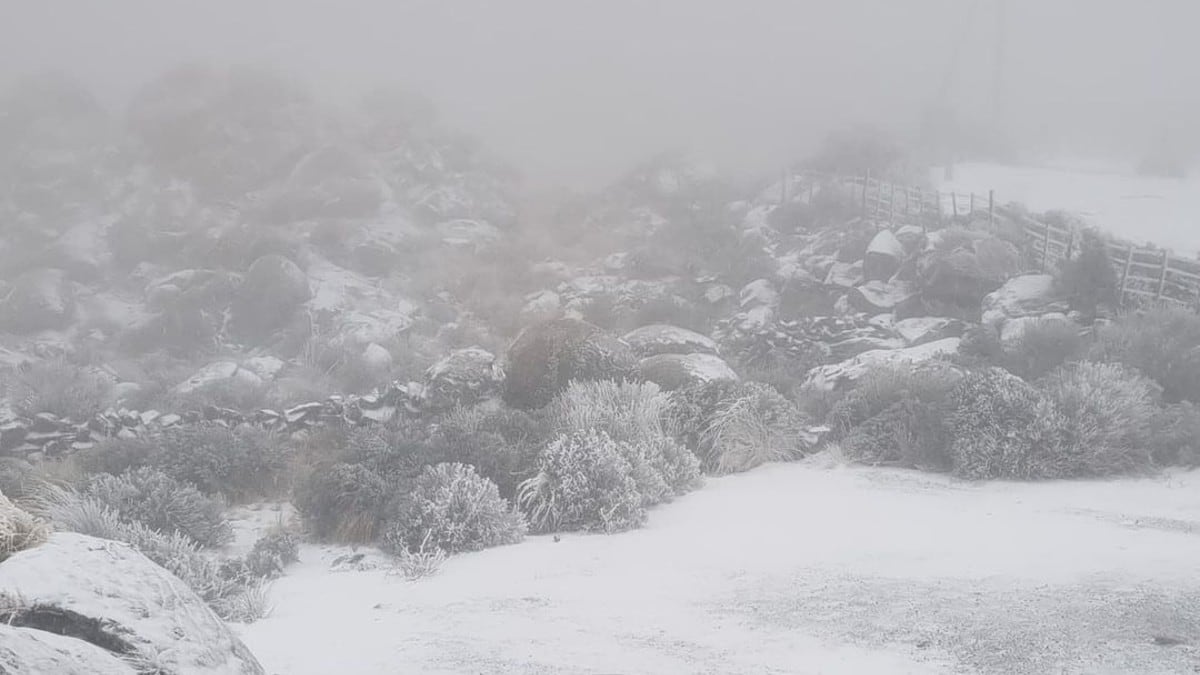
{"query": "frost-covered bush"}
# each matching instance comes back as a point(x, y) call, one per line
point(57, 387)
point(454, 509)
point(756, 426)
point(1088, 279)
point(239, 464)
point(17, 477)
point(1107, 410)
point(18, 529)
point(1162, 342)
point(273, 551)
point(501, 444)
point(635, 415)
point(910, 433)
point(1042, 346)
point(156, 500)
point(1175, 435)
point(546, 357)
point(116, 455)
point(584, 482)
point(883, 386)
point(1003, 427)
point(176, 553)
point(343, 502)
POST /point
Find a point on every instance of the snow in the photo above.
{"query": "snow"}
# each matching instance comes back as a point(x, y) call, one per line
point(799, 568)
point(1164, 211)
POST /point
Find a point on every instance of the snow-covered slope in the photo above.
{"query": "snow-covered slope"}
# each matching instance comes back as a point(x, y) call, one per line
point(1165, 211)
point(798, 568)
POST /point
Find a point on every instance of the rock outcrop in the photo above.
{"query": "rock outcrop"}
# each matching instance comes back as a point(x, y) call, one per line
point(274, 288)
point(547, 356)
point(463, 378)
point(666, 339)
point(677, 371)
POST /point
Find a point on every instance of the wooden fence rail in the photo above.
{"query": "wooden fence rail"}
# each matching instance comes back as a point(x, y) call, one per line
point(1145, 273)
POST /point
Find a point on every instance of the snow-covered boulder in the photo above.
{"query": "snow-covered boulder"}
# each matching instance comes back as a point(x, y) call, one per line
point(377, 358)
point(666, 339)
point(846, 275)
point(1012, 329)
point(274, 288)
point(110, 595)
point(40, 299)
point(878, 297)
point(840, 374)
point(911, 237)
point(884, 256)
point(541, 306)
point(361, 328)
point(224, 375)
point(463, 377)
point(676, 371)
point(25, 651)
point(1026, 295)
point(919, 330)
point(545, 357)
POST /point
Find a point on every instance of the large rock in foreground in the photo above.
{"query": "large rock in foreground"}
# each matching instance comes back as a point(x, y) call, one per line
point(463, 377)
point(677, 371)
point(1026, 295)
point(24, 651)
point(547, 356)
point(107, 594)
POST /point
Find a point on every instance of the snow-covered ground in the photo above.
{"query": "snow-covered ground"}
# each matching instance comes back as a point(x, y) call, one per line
point(802, 568)
point(1164, 211)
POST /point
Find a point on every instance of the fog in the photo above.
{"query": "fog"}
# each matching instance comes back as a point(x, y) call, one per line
point(572, 92)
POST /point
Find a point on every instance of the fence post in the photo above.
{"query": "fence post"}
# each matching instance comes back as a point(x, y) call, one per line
point(1046, 248)
point(954, 203)
point(1162, 277)
point(1071, 242)
point(783, 188)
point(892, 206)
point(811, 183)
point(866, 181)
point(971, 212)
point(1125, 274)
point(992, 209)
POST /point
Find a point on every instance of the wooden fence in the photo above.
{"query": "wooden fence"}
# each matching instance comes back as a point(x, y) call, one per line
point(1145, 273)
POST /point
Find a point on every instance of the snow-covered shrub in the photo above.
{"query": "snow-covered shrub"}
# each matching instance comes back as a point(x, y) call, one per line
point(176, 553)
point(548, 356)
point(635, 415)
point(1162, 342)
point(584, 482)
point(882, 387)
point(63, 389)
point(17, 477)
point(240, 464)
point(156, 500)
point(454, 509)
point(501, 444)
point(1088, 280)
point(18, 529)
point(343, 502)
point(422, 562)
point(910, 432)
point(1175, 435)
point(273, 551)
point(1003, 427)
point(1107, 410)
point(1042, 346)
point(756, 426)
point(963, 267)
point(116, 455)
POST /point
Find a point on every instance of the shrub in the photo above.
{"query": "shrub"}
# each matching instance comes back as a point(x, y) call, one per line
point(1088, 280)
point(240, 464)
point(1003, 427)
point(117, 455)
point(18, 530)
point(174, 552)
point(910, 433)
point(1107, 410)
point(929, 384)
point(1044, 345)
point(60, 388)
point(753, 427)
point(633, 414)
point(548, 356)
point(584, 483)
point(342, 502)
point(17, 477)
point(1175, 435)
point(163, 504)
point(420, 563)
point(273, 551)
point(501, 444)
point(454, 509)
point(1162, 342)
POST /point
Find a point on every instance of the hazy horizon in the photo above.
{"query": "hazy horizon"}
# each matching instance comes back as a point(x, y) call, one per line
point(575, 92)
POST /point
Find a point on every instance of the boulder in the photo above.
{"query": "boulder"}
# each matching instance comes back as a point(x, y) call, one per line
point(846, 275)
point(1014, 328)
point(884, 256)
point(274, 288)
point(541, 306)
point(545, 357)
point(839, 375)
point(879, 297)
point(954, 281)
point(666, 339)
point(40, 299)
point(677, 371)
point(464, 377)
point(912, 238)
point(919, 330)
point(378, 359)
point(1026, 295)
point(196, 289)
point(107, 594)
point(24, 651)
point(226, 375)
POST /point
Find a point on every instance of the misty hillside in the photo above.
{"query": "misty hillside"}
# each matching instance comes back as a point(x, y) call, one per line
point(278, 368)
